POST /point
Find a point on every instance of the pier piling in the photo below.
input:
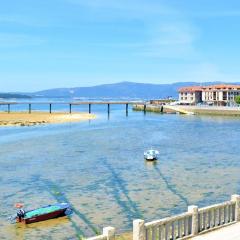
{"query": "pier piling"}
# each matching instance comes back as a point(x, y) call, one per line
point(108, 108)
point(70, 108)
point(89, 108)
point(29, 108)
point(144, 108)
point(127, 109)
point(50, 108)
point(161, 109)
point(8, 108)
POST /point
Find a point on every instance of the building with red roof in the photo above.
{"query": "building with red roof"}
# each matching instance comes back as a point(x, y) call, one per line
point(220, 94)
point(190, 95)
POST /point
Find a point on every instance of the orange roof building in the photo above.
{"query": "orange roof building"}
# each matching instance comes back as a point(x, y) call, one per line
point(222, 94)
point(190, 95)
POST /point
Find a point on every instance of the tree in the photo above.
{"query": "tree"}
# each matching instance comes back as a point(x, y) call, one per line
point(237, 99)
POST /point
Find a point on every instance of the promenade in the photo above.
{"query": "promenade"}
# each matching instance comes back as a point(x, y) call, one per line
point(186, 109)
point(231, 232)
point(209, 110)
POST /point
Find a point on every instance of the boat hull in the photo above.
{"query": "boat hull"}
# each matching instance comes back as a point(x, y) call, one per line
point(44, 217)
point(150, 159)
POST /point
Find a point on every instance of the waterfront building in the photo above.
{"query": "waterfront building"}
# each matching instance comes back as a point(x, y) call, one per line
point(221, 94)
point(190, 95)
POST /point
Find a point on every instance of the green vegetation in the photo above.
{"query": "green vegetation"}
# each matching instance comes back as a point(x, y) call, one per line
point(237, 99)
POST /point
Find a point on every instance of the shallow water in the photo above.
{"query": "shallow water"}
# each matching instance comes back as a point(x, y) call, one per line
point(98, 167)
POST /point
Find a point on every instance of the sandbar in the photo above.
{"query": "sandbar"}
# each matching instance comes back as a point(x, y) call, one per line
point(37, 118)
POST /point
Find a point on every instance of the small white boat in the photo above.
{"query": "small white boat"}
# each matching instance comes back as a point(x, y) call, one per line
point(151, 155)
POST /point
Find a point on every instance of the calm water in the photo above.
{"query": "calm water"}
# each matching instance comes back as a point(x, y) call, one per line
point(98, 167)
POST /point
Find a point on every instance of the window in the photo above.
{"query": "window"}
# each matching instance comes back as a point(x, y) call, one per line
point(224, 96)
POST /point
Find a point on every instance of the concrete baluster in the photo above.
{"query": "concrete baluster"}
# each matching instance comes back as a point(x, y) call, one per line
point(139, 230)
point(109, 232)
point(194, 211)
point(236, 199)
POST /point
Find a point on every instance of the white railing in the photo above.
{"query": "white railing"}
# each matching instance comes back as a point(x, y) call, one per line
point(216, 215)
point(190, 223)
point(108, 234)
point(167, 228)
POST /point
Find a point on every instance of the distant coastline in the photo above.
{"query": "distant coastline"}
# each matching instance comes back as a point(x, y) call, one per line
point(13, 95)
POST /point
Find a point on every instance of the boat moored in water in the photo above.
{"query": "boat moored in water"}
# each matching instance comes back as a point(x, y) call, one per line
point(43, 213)
point(151, 155)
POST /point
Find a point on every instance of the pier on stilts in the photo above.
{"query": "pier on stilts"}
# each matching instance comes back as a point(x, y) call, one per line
point(70, 105)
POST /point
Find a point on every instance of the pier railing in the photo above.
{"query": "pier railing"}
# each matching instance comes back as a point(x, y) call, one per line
point(191, 223)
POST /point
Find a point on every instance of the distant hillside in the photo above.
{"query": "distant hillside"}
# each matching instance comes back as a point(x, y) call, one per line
point(13, 95)
point(118, 90)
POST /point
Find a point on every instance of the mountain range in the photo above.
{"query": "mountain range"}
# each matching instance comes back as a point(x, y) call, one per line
point(116, 90)
point(119, 90)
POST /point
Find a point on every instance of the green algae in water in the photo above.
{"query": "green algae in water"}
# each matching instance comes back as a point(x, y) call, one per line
point(109, 183)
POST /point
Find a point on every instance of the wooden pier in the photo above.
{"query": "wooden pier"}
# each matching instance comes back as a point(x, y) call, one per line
point(71, 104)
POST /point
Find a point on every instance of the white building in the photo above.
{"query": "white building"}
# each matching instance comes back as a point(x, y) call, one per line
point(190, 95)
point(222, 94)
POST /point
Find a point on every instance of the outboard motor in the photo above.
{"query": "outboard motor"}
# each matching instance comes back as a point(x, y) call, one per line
point(20, 214)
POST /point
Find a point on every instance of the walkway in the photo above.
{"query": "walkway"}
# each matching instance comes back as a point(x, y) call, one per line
point(231, 232)
point(179, 109)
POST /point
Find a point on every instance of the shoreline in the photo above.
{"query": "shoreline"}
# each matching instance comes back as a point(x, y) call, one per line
point(41, 118)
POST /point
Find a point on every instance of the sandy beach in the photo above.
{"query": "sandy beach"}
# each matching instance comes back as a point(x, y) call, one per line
point(36, 118)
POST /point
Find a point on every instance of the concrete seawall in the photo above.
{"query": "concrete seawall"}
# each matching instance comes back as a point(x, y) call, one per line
point(201, 110)
point(152, 108)
point(212, 110)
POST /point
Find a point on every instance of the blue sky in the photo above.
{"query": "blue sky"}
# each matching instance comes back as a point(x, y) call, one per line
point(69, 43)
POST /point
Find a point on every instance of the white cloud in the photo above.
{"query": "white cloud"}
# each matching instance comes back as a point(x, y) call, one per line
point(133, 8)
point(215, 14)
point(166, 34)
point(17, 20)
point(208, 72)
point(18, 40)
point(172, 33)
